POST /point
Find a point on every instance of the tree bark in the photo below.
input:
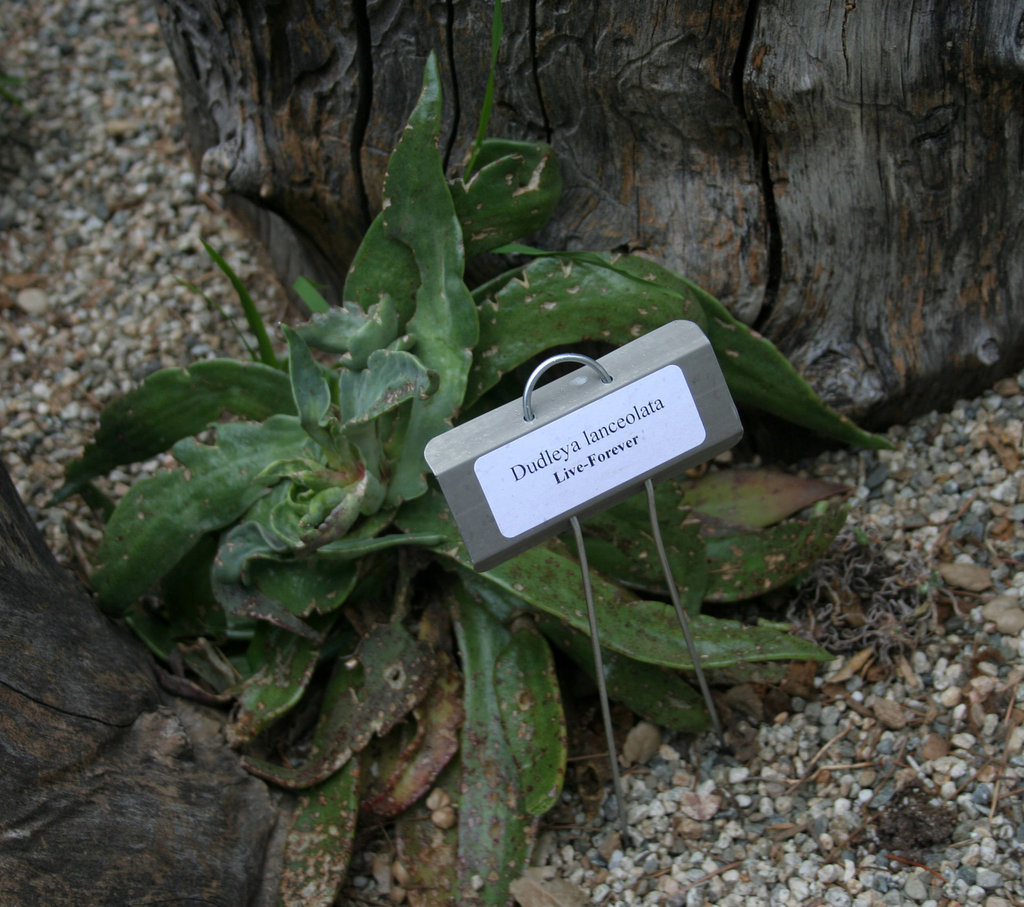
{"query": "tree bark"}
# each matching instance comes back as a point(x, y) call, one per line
point(846, 178)
point(112, 794)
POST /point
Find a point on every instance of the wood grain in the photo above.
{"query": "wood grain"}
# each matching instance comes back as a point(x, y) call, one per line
point(845, 177)
point(111, 794)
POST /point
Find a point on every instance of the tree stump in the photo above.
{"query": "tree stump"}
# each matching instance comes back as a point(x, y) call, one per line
point(112, 793)
point(845, 177)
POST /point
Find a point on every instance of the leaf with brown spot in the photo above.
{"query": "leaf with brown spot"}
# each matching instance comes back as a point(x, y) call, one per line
point(428, 853)
point(647, 631)
point(411, 772)
point(530, 707)
point(286, 663)
point(319, 843)
point(751, 498)
point(393, 673)
point(747, 564)
point(495, 833)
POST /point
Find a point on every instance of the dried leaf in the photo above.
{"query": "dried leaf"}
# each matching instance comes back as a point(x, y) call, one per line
point(533, 891)
point(699, 807)
point(852, 666)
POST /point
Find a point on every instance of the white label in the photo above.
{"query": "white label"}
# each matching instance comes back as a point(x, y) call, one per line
point(602, 446)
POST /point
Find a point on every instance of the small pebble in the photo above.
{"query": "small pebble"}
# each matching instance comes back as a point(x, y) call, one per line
point(1006, 613)
point(32, 300)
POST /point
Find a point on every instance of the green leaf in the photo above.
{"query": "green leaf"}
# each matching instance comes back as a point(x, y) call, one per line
point(319, 843)
point(644, 630)
point(658, 694)
point(239, 546)
point(418, 211)
point(512, 194)
point(746, 564)
point(311, 389)
point(494, 830)
point(389, 380)
point(285, 665)
point(497, 30)
point(757, 373)
point(530, 707)
point(310, 294)
point(252, 315)
point(620, 546)
point(352, 548)
point(161, 518)
point(392, 675)
point(562, 300)
point(306, 585)
point(430, 514)
point(751, 498)
point(173, 404)
point(245, 601)
point(383, 269)
point(352, 333)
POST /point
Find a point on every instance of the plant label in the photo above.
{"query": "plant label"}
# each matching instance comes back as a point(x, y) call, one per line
point(511, 483)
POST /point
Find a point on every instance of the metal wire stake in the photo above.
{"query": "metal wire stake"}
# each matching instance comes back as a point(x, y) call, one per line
point(602, 691)
point(684, 621)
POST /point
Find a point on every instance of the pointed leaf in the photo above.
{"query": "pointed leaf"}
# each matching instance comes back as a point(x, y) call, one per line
point(175, 403)
point(389, 380)
point(757, 373)
point(319, 843)
point(252, 315)
point(162, 517)
point(418, 211)
point(310, 294)
point(244, 601)
point(644, 630)
point(311, 388)
point(660, 695)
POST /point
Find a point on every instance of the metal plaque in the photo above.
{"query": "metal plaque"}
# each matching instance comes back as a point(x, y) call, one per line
point(511, 482)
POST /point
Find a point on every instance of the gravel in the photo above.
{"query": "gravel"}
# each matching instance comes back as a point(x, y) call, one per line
point(893, 777)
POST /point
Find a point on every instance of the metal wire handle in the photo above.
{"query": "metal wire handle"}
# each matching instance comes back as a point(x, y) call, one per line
point(531, 382)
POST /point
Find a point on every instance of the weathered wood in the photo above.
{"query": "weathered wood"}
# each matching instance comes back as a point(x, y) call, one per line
point(895, 139)
point(846, 177)
point(111, 794)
